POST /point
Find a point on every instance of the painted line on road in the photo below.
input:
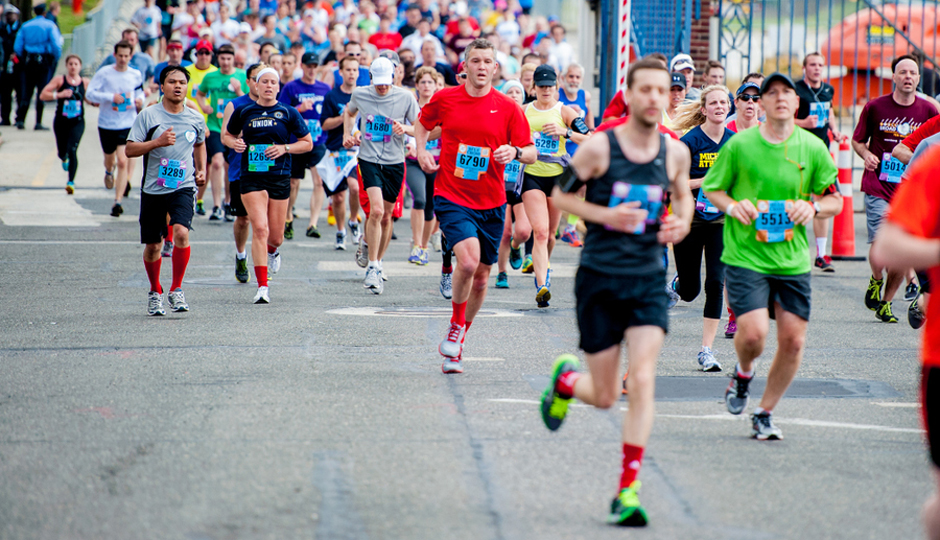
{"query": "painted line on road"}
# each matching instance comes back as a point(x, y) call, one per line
point(416, 312)
point(896, 404)
point(484, 359)
point(43, 173)
point(732, 418)
point(104, 242)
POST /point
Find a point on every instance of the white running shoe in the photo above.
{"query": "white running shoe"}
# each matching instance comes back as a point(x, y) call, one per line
point(452, 365)
point(177, 301)
point(354, 229)
point(452, 346)
point(167, 248)
point(373, 279)
point(436, 241)
point(262, 296)
point(447, 285)
point(362, 254)
point(274, 262)
point(341, 241)
point(155, 304)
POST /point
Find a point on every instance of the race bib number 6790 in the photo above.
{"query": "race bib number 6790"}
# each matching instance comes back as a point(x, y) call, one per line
point(472, 161)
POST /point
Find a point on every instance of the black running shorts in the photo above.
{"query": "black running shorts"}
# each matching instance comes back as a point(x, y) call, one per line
point(235, 206)
point(608, 305)
point(180, 205)
point(112, 138)
point(930, 408)
point(749, 290)
point(278, 187)
point(388, 177)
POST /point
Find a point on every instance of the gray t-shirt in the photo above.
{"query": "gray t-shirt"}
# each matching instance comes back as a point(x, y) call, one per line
point(168, 168)
point(376, 113)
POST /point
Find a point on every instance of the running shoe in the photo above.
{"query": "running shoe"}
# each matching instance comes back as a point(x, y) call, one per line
point(312, 232)
point(372, 279)
point(70, 187)
point(543, 295)
point(40, 127)
point(502, 280)
point(447, 285)
point(382, 273)
point(354, 229)
point(341, 241)
point(288, 229)
point(554, 405)
point(415, 255)
point(763, 428)
point(65, 164)
point(423, 259)
point(127, 188)
point(216, 215)
point(362, 253)
point(915, 315)
point(452, 346)
point(624, 390)
point(117, 210)
point(515, 257)
point(227, 213)
point(625, 510)
point(873, 293)
point(177, 301)
point(262, 296)
point(394, 236)
point(109, 179)
point(737, 393)
point(570, 236)
point(911, 291)
point(241, 270)
point(330, 218)
point(274, 262)
point(155, 304)
point(671, 292)
point(824, 263)
point(884, 313)
point(730, 329)
point(527, 267)
point(200, 207)
point(706, 360)
point(452, 365)
point(167, 250)
point(436, 242)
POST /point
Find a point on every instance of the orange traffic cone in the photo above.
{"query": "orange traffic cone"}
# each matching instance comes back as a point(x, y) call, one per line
point(843, 229)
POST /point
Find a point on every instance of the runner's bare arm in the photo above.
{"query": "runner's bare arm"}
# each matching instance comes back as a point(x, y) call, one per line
point(199, 163)
point(871, 160)
point(203, 104)
point(349, 121)
point(571, 117)
point(676, 225)
point(425, 159)
point(902, 153)
point(506, 153)
point(50, 89)
point(896, 248)
point(229, 140)
point(331, 123)
point(137, 149)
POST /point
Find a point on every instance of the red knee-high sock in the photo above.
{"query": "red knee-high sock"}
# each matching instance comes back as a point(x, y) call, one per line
point(180, 260)
point(459, 316)
point(261, 274)
point(565, 384)
point(632, 458)
point(153, 273)
point(272, 249)
point(169, 233)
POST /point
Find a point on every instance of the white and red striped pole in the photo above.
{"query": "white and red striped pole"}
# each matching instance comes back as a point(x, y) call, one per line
point(843, 227)
point(623, 47)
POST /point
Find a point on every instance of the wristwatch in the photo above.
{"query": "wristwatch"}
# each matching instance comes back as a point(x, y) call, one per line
point(568, 133)
point(817, 207)
point(518, 152)
point(287, 149)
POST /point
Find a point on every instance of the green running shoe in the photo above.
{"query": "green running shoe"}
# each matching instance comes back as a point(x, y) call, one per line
point(884, 313)
point(873, 294)
point(555, 407)
point(241, 270)
point(625, 510)
point(527, 267)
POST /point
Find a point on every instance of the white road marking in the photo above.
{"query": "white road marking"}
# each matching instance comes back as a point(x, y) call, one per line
point(102, 242)
point(25, 207)
point(896, 404)
point(484, 359)
point(43, 173)
point(416, 312)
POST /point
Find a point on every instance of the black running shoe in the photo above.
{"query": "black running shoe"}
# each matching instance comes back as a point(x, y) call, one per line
point(737, 393)
point(915, 315)
point(873, 293)
point(117, 210)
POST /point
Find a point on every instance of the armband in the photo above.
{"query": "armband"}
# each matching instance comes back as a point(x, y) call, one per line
point(579, 126)
point(568, 181)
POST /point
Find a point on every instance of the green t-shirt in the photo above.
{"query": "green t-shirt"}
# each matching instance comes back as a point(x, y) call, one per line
point(217, 88)
point(749, 167)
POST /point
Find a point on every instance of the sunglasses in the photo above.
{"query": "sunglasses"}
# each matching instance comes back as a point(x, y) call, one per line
point(358, 54)
point(203, 52)
point(749, 97)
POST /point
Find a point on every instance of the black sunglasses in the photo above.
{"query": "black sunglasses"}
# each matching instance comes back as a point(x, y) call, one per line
point(199, 53)
point(748, 97)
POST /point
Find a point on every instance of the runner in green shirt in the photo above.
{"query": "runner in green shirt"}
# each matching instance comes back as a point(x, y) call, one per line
point(764, 180)
point(215, 91)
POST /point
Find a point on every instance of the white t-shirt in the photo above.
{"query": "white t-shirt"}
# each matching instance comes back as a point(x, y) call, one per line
point(230, 27)
point(148, 19)
point(109, 81)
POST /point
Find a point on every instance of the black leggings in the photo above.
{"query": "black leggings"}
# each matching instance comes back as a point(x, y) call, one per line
point(68, 133)
point(429, 195)
point(703, 237)
point(417, 185)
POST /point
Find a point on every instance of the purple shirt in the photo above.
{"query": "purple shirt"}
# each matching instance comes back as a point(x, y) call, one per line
point(883, 124)
point(296, 92)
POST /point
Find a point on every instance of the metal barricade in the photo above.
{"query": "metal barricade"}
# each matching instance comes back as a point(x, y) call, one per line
point(88, 37)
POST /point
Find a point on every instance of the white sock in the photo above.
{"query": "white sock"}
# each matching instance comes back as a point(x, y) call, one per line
point(373, 264)
point(758, 410)
point(380, 265)
point(748, 374)
point(821, 246)
point(241, 255)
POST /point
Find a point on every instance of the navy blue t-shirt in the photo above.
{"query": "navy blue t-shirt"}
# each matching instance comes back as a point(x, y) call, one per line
point(296, 92)
point(704, 152)
point(333, 105)
point(261, 126)
point(231, 156)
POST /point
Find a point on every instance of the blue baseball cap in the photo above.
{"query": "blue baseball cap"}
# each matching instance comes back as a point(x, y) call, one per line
point(745, 86)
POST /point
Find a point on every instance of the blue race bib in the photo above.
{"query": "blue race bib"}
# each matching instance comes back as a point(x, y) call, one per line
point(172, 172)
point(378, 128)
point(650, 198)
point(257, 161)
point(472, 161)
point(703, 205)
point(891, 169)
point(315, 129)
point(71, 108)
point(434, 147)
point(546, 144)
point(341, 158)
point(511, 174)
point(220, 105)
point(773, 224)
point(123, 106)
point(821, 110)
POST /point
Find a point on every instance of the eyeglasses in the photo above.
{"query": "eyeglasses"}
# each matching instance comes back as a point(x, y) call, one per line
point(749, 97)
point(203, 52)
point(358, 54)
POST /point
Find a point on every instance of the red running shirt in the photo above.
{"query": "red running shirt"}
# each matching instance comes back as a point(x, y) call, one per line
point(930, 127)
point(472, 128)
point(917, 202)
point(617, 107)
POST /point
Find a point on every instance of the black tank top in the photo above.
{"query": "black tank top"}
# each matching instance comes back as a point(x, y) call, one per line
point(621, 254)
point(76, 109)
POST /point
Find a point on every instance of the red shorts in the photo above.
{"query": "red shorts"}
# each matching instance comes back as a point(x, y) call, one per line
point(397, 211)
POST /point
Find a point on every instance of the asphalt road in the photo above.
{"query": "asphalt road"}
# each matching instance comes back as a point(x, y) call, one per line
point(325, 414)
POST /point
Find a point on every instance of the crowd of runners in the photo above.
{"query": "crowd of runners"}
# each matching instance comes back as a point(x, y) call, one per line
point(476, 120)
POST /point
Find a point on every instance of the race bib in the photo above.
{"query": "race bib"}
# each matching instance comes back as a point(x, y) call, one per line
point(172, 172)
point(195, 90)
point(511, 174)
point(378, 128)
point(71, 108)
point(315, 129)
point(434, 147)
point(546, 144)
point(123, 106)
point(341, 158)
point(257, 161)
point(220, 105)
point(650, 198)
point(821, 110)
point(773, 224)
point(703, 205)
point(891, 169)
point(167, 19)
point(472, 161)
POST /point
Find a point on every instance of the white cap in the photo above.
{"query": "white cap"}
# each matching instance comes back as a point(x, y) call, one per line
point(310, 13)
point(680, 62)
point(244, 28)
point(459, 8)
point(382, 71)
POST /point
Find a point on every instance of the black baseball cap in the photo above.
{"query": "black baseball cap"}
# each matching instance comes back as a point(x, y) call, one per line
point(545, 76)
point(678, 79)
point(310, 58)
point(776, 77)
